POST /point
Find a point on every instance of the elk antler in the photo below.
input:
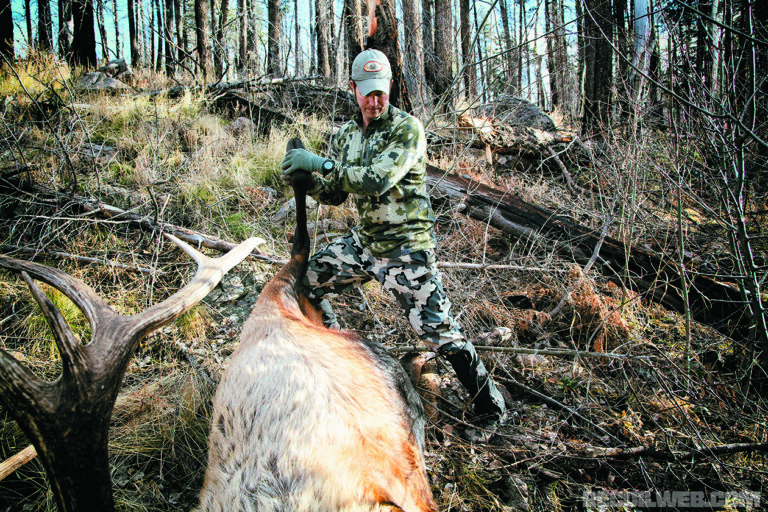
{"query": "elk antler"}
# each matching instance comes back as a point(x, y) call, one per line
point(67, 420)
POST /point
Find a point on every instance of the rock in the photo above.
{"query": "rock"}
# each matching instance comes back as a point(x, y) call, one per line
point(530, 362)
point(114, 68)
point(99, 152)
point(519, 112)
point(98, 81)
point(229, 290)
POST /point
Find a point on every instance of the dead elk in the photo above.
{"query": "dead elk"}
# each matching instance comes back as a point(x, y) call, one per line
point(68, 419)
point(307, 418)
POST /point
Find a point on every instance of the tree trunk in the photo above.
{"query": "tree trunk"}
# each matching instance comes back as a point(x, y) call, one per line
point(28, 19)
point(201, 37)
point(65, 27)
point(332, 42)
point(150, 35)
point(508, 48)
point(522, 47)
point(322, 38)
point(133, 37)
point(219, 45)
point(298, 63)
point(102, 29)
point(444, 58)
point(386, 40)
point(273, 39)
point(116, 21)
point(479, 42)
point(566, 89)
point(467, 58)
point(181, 34)
point(44, 25)
point(598, 32)
point(353, 29)
point(160, 34)
point(7, 51)
point(253, 55)
point(413, 56)
point(549, 16)
point(83, 50)
point(428, 40)
point(170, 60)
point(242, 36)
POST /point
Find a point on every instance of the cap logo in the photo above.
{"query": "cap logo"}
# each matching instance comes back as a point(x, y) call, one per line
point(373, 66)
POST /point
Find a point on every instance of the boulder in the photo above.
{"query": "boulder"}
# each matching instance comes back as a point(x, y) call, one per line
point(514, 111)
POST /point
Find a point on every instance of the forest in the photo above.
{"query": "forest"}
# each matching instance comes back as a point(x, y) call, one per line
point(599, 173)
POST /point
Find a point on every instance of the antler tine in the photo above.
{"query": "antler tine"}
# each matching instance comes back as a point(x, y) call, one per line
point(72, 357)
point(236, 255)
point(89, 302)
point(209, 273)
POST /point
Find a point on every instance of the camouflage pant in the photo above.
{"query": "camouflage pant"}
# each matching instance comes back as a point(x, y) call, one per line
point(413, 280)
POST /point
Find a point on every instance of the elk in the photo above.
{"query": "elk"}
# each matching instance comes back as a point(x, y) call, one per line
point(67, 420)
point(308, 418)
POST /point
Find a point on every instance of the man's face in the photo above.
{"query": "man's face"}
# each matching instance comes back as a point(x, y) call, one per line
point(372, 105)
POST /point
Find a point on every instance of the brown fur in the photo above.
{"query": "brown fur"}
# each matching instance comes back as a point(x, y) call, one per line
point(306, 418)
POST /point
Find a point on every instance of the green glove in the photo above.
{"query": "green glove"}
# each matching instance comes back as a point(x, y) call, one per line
point(301, 159)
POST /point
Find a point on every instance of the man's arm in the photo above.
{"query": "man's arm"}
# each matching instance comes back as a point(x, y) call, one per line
point(406, 146)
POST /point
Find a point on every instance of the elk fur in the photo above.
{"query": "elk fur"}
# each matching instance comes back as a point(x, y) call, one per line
point(307, 418)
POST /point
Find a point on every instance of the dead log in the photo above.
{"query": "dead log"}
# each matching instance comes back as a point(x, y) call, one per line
point(639, 269)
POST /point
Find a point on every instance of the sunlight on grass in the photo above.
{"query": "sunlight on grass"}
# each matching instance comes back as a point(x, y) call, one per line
point(37, 327)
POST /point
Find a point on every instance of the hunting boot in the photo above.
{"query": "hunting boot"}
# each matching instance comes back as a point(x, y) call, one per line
point(488, 404)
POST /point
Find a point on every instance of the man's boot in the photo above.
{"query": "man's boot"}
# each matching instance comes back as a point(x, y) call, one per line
point(487, 401)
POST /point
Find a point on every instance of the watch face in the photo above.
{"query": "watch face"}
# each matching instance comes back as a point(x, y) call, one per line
point(327, 165)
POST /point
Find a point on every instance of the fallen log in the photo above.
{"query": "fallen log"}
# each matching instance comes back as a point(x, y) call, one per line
point(637, 268)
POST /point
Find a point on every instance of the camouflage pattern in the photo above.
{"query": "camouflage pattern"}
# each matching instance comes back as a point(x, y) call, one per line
point(412, 279)
point(384, 168)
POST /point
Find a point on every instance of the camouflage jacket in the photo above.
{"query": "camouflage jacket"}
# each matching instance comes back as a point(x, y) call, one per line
point(384, 169)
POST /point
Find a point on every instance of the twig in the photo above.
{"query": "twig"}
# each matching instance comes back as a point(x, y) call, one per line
point(82, 259)
point(647, 451)
point(562, 407)
point(482, 266)
point(569, 183)
point(520, 350)
point(14, 462)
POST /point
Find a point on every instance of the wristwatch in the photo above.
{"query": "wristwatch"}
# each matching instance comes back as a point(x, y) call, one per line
point(327, 167)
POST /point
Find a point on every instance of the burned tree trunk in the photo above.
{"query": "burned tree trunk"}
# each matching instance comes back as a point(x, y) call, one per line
point(385, 39)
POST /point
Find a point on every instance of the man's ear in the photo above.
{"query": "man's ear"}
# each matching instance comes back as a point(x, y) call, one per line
point(352, 85)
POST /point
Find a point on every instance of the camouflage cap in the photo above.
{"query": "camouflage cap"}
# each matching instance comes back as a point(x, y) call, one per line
point(371, 72)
